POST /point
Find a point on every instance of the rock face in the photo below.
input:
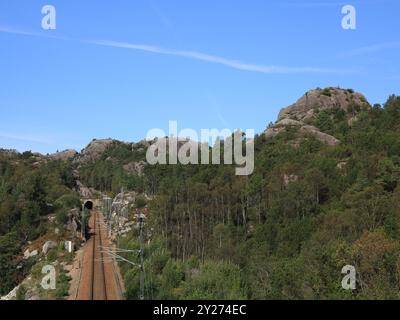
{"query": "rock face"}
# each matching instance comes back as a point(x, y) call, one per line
point(83, 191)
point(48, 246)
point(64, 155)
point(28, 254)
point(321, 99)
point(94, 150)
point(11, 296)
point(73, 220)
point(303, 112)
point(321, 136)
point(280, 126)
point(135, 167)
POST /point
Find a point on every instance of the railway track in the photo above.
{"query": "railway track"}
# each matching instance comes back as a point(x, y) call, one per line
point(99, 278)
point(99, 287)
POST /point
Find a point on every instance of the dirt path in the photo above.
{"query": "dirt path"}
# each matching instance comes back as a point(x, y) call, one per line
point(99, 276)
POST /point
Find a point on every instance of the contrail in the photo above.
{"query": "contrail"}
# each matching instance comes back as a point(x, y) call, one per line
point(370, 49)
point(235, 64)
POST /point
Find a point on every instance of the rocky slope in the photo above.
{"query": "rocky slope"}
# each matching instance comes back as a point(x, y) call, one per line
point(303, 113)
point(323, 99)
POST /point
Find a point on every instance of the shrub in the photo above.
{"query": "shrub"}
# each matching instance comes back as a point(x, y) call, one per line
point(21, 292)
point(140, 202)
point(52, 255)
point(62, 285)
point(61, 217)
point(326, 92)
point(68, 201)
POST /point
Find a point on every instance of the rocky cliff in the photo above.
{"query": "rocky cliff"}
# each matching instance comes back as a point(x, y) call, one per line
point(303, 113)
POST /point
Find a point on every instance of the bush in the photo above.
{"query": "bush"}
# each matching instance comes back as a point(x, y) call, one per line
point(62, 285)
point(52, 255)
point(21, 292)
point(140, 202)
point(326, 92)
point(9, 249)
point(61, 217)
point(68, 201)
point(215, 281)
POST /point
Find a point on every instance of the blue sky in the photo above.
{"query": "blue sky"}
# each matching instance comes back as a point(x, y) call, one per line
point(120, 68)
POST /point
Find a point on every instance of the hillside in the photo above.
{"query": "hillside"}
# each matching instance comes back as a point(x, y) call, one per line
point(324, 194)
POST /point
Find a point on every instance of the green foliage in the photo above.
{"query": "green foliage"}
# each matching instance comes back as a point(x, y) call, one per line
point(28, 191)
point(283, 233)
point(324, 121)
point(62, 285)
point(167, 278)
point(140, 202)
point(110, 174)
point(68, 201)
point(21, 292)
point(287, 231)
point(214, 281)
point(62, 217)
point(9, 248)
point(327, 92)
point(52, 255)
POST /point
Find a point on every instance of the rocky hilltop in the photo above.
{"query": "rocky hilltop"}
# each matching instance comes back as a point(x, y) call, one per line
point(302, 115)
point(94, 150)
point(323, 99)
point(64, 155)
point(304, 112)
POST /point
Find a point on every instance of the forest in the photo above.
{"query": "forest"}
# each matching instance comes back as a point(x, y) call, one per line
point(284, 232)
point(30, 189)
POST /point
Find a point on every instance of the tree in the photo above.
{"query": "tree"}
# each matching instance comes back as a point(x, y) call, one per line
point(9, 250)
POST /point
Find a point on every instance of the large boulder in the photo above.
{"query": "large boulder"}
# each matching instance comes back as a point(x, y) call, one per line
point(64, 155)
point(84, 192)
point(280, 126)
point(48, 246)
point(94, 151)
point(135, 167)
point(321, 136)
point(28, 254)
point(303, 112)
point(320, 99)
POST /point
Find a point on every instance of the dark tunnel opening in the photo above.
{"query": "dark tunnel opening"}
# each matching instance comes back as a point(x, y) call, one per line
point(89, 205)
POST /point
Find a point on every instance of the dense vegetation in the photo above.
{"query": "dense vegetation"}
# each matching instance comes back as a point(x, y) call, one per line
point(108, 173)
point(287, 231)
point(30, 189)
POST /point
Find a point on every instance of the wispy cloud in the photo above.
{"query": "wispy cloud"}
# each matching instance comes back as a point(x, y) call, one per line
point(370, 49)
point(235, 64)
point(11, 30)
point(26, 137)
point(41, 142)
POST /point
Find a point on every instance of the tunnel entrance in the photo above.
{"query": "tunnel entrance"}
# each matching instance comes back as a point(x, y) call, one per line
point(89, 205)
